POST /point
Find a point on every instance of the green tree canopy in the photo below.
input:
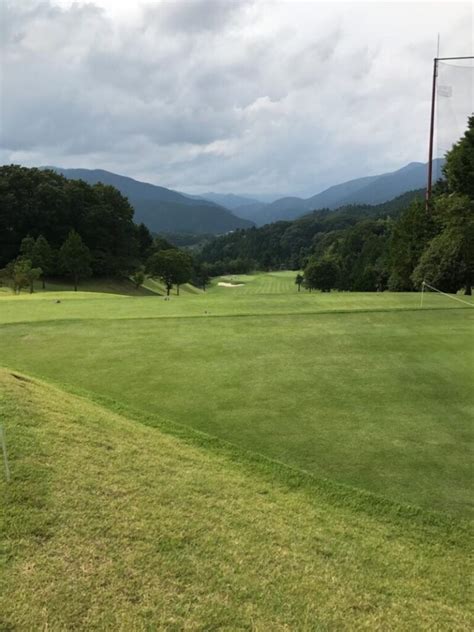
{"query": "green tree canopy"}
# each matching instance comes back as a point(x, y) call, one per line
point(448, 261)
point(459, 166)
point(27, 247)
point(36, 202)
point(173, 267)
point(321, 274)
point(410, 237)
point(75, 257)
point(145, 241)
point(202, 275)
point(20, 274)
point(39, 253)
point(43, 257)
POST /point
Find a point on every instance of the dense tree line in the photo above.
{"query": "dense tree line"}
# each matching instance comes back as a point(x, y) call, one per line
point(41, 203)
point(396, 245)
point(289, 244)
point(54, 227)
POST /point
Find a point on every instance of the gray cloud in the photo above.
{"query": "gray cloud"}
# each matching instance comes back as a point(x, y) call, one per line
point(234, 96)
point(194, 16)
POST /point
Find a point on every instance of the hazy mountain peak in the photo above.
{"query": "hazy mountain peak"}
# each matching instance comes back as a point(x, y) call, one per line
point(367, 190)
point(162, 209)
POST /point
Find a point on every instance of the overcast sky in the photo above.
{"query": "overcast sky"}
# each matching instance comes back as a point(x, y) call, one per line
point(250, 96)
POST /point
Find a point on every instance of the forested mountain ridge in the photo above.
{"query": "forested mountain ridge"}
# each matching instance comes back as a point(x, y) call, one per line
point(367, 190)
point(162, 209)
point(287, 244)
point(399, 245)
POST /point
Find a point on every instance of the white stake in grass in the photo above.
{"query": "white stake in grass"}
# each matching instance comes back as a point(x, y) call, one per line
point(5, 457)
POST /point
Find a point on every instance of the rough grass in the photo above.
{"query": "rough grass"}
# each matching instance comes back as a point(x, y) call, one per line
point(365, 389)
point(111, 525)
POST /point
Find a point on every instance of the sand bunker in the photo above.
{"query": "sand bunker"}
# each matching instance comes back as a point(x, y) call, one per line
point(224, 284)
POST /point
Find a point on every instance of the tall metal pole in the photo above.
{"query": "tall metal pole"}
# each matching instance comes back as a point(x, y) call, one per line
point(433, 103)
point(430, 152)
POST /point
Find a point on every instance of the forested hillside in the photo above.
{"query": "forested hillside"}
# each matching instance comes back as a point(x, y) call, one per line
point(287, 245)
point(163, 210)
point(396, 245)
point(53, 227)
point(36, 202)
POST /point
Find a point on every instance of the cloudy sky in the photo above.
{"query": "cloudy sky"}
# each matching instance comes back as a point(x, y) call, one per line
point(251, 96)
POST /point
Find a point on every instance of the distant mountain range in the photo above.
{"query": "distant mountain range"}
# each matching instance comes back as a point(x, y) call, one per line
point(167, 211)
point(229, 200)
point(164, 210)
point(368, 190)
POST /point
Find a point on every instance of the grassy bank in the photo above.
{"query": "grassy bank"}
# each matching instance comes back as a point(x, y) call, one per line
point(110, 524)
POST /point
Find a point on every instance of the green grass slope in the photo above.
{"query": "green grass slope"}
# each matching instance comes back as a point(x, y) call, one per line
point(367, 390)
point(108, 524)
